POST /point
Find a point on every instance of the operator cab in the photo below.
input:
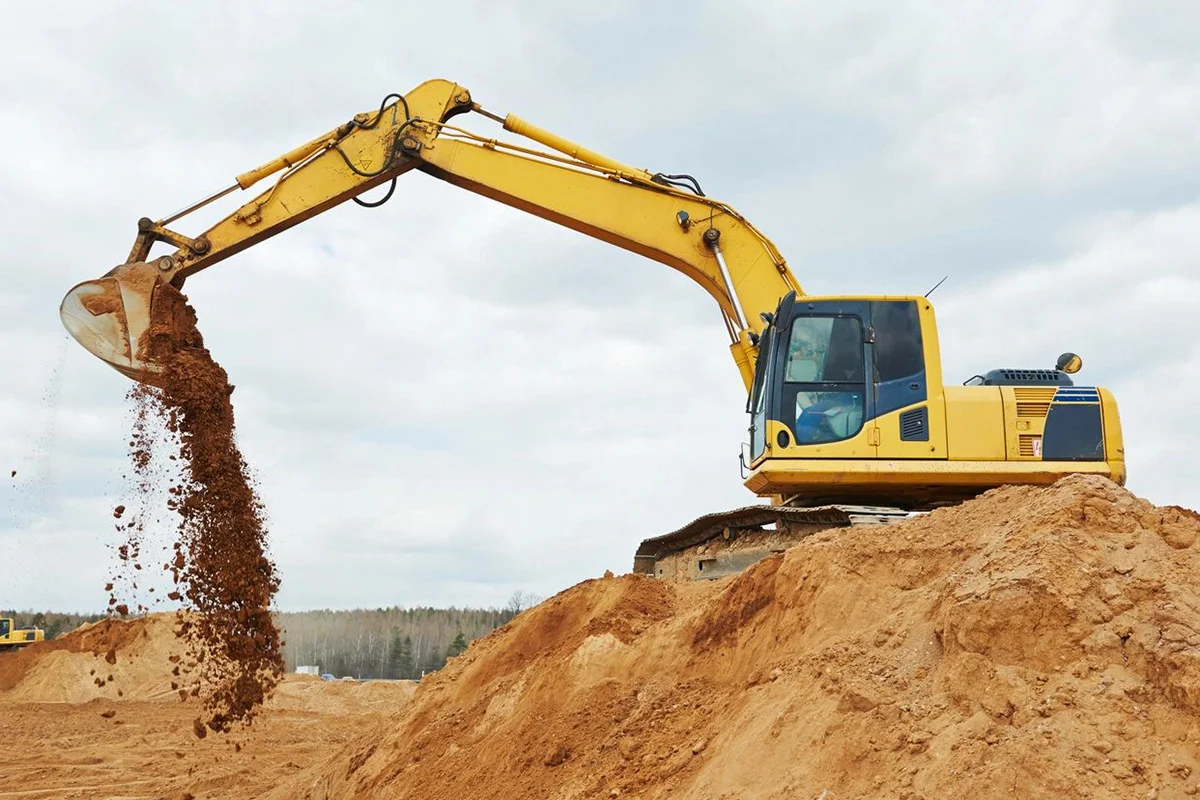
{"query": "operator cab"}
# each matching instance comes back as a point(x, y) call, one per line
point(827, 367)
point(848, 406)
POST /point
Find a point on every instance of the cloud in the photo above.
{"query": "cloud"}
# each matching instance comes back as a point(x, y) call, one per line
point(446, 400)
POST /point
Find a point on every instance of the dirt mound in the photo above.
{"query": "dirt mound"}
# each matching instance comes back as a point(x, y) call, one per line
point(1034, 642)
point(342, 698)
point(112, 659)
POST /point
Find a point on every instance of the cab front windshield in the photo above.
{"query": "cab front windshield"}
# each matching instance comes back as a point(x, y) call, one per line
point(824, 372)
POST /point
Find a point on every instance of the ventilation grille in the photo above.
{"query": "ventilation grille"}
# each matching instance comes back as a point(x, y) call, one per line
point(1030, 446)
point(1033, 402)
point(914, 425)
point(1031, 375)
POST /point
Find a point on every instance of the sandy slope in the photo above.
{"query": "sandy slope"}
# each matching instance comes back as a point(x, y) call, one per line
point(1033, 643)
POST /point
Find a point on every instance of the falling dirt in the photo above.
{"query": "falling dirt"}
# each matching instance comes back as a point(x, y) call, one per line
point(219, 564)
point(1032, 643)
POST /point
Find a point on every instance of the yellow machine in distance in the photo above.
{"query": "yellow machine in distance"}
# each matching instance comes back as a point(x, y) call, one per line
point(12, 637)
point(846, 395)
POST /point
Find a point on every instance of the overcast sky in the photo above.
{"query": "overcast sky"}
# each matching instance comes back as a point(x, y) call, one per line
point(445, 400)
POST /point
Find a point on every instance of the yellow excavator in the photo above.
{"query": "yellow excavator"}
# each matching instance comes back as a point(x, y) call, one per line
point(849, 418)
point(12, 637)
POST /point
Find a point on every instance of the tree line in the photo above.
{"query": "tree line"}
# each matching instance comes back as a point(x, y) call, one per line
point(390, 643)
point(52, 623)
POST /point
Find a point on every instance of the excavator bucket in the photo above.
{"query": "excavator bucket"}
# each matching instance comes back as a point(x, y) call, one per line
point(110, 317)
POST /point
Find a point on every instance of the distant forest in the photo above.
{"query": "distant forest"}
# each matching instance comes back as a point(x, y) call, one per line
point(387, 643)
point(52, 622)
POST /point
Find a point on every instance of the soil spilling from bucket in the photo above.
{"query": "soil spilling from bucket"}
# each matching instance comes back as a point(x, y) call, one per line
point(219, 563)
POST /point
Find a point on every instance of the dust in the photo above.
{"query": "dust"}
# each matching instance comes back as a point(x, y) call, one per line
point(218, 561)
point(1030, 643)
point(35, 494)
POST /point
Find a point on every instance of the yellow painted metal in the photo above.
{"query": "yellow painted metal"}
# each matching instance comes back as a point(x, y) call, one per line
point(325, 179)
point(892, 446)
point(744, 355)
point(1114, 441)
point(974, 423)
point(293, 157)
point(578, 152)
point(784, 475)
point(858, 446)
point(16, 637)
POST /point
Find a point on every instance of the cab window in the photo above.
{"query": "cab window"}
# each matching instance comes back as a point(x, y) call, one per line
point(825, 374)
point(825, 350)
point(898, 352)
point(899, 355)
point(3, 627)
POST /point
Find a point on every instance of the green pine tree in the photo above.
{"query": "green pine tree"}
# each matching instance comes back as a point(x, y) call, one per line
point(457, 646)
point(400, 662)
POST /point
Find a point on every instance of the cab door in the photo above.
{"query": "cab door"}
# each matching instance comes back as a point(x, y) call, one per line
point(822, 403)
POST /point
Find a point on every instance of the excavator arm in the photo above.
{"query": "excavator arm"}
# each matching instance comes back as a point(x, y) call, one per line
point(647, 213)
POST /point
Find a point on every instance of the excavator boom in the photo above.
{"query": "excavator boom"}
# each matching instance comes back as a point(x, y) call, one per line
point(578, 188)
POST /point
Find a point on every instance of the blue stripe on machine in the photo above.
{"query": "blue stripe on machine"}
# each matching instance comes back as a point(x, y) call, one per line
point(1078, 394)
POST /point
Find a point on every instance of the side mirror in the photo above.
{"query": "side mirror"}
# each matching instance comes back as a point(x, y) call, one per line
point(1069, 363)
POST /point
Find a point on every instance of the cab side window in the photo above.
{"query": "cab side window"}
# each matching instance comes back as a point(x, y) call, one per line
point(898, 352)
point(899, 356)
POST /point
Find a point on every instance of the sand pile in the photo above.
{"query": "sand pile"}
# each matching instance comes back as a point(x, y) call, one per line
point(136, 659)
point(111, 659)
point(1032, 643)
point(342, 698)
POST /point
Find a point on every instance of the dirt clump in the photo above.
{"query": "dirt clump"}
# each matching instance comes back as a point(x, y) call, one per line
point(1035, 642)
point(220, 566)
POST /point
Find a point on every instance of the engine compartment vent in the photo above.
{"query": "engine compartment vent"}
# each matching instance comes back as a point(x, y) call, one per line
point(1033, 403)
